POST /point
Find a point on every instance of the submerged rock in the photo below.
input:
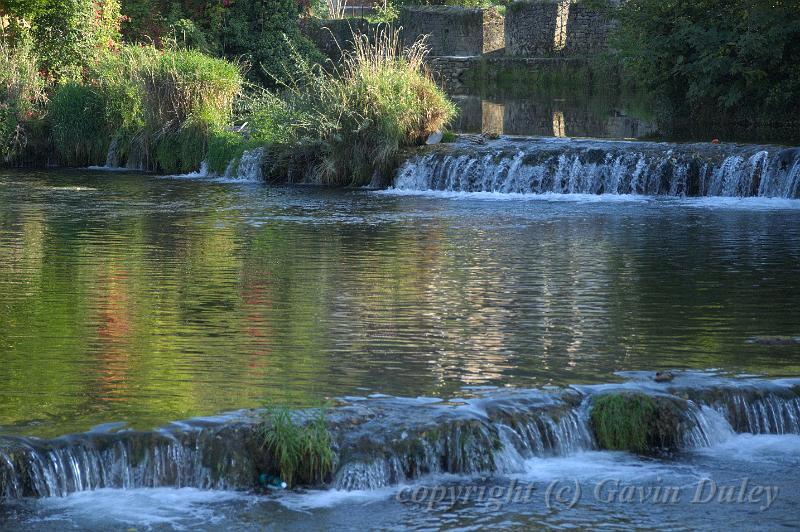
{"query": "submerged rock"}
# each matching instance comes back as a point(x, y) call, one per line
point(663, 376)
point(774, 340)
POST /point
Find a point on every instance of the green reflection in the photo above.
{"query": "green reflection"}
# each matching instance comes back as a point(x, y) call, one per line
point(148, 300)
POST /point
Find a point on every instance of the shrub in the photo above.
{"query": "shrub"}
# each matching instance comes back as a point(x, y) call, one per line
point(302, 454)
point(267, 35)
point(70, 35)
point(22, 98)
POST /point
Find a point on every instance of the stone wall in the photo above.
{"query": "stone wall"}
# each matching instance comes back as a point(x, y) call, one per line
point(449, 71)
point(454, 31)
point(333, 36)
point(530, 28)
point(546, 28)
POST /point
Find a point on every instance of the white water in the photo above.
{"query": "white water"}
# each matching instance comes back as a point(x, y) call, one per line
point(152, 507)
point(249, 167)
point(246, 169)
point(570, 167)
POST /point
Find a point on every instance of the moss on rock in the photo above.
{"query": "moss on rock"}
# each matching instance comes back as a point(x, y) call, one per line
point(638, 423)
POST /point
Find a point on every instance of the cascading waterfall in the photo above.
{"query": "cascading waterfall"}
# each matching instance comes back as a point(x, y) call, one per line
point(112, 160)
point(247, 167)
point(182, 455)
point(567, 166)
point(384, 440)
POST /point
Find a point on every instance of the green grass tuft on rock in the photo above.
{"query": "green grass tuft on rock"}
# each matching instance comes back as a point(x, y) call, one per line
point(301, 453)
point(638, 423)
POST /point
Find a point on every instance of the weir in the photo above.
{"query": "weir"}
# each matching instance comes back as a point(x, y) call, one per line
point(572, 166)
point(382, 440)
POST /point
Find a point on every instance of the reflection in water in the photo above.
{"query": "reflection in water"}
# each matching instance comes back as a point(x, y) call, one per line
point(143, 299)
point(558, 124)
point(548, 116)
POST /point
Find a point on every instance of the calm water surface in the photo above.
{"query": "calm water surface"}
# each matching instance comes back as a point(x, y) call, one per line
point(141, 299)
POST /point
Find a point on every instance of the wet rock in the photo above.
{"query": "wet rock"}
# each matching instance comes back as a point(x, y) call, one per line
point(774, 340)
point(385, 440)
point(663, 376)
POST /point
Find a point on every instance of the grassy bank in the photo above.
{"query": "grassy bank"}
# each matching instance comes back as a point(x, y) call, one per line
point(167, 110)
point(23, 99)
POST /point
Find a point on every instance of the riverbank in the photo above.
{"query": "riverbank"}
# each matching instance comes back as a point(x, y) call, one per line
point(146, 109)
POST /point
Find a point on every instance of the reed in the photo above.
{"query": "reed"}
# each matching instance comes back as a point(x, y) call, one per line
point(302, 453)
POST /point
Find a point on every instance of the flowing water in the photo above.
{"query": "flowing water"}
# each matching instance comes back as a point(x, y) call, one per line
point(566, 166)
point(131, 301)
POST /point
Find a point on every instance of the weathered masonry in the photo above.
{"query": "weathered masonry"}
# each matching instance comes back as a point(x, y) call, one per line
point(534, 34)
point(546, 28)
point(454, 31)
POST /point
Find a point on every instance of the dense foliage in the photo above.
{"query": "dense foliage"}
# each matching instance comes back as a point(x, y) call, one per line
point(22, 98)
point(66, 35)
point(266, 34)
point(262, 33)
point(160, 107)
point(167, 106)
point(714, 55)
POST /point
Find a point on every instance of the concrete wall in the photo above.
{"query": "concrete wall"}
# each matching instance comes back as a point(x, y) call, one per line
point(546, 28)
point(453, 31)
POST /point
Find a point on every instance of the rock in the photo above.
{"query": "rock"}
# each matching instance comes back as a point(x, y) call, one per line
point(774, 340)
point(663, 376)
point(639, 423)
point(435, 138)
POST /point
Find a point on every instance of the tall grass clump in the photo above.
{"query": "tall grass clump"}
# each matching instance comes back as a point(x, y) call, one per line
point(81, 132)
point(187, 97)
point(348, 124)
point(163, 105)
point(301, 454)
point(391, 102)
point(22, 99)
